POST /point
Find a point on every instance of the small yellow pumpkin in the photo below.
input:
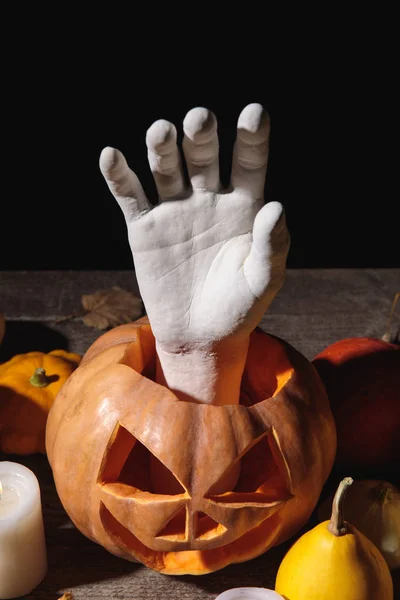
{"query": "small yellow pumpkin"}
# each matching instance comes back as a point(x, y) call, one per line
point(334, 561)
point(29, 384)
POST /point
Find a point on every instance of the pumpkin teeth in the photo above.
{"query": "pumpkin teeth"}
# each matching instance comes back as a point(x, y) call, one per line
point(206, 527)
point(176, 528)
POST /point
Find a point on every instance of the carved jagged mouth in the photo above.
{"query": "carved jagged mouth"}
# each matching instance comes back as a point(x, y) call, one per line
point(186, 525)
point(166, 519)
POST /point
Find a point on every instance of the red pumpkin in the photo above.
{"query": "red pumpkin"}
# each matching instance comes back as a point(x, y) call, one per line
point(185, 487)
point(362, 378)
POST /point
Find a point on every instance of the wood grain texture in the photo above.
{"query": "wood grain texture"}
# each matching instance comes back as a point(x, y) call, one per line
point(313, 309)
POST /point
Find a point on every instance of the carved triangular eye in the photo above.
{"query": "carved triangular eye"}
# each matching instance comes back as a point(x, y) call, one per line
point(127, 461)
point(263, 475)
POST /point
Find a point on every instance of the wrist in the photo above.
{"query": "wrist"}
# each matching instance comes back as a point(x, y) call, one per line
point(209, 374)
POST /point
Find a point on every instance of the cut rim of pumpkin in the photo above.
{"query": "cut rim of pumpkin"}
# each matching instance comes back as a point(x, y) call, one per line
point(267, 369)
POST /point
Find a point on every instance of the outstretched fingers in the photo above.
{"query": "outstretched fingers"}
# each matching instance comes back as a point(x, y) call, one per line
point(164, 159)
point(265, 266)
point(124, 184)
point(200, 146)
point(250, 155)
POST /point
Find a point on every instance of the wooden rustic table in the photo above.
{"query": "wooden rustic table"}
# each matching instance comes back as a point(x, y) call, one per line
point(313, 309)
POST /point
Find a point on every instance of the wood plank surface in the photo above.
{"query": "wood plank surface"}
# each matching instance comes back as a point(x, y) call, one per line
point(313, 309)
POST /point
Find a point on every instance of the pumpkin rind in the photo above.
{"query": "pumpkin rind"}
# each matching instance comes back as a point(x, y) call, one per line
point(110, 409)
point(23, 407)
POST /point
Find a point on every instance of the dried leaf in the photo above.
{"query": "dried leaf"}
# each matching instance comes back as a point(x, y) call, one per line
point(111, 307)
point(66, 596)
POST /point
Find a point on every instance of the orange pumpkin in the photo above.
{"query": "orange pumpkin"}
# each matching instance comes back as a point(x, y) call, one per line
point(28, 385)
point(185, 487)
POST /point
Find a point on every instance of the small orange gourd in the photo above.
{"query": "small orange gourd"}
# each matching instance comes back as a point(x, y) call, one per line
point(334, 560)
point(29, 384)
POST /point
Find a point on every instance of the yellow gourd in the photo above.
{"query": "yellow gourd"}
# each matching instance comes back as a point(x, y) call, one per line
point(373, 506)
point(334, 561)
point(29, 384)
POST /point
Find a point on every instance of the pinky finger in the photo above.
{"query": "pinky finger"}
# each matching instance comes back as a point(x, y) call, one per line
point(123, 184)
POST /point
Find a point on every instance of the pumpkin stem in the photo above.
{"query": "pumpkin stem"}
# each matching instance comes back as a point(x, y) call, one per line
point(39, 378)
point(386, 336)
point(337, 524)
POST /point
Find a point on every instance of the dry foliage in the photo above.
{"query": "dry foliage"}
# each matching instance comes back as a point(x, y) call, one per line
point(108, 308)
point(111, 307)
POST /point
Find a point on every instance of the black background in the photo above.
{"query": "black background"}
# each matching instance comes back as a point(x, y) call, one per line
point(331, 151)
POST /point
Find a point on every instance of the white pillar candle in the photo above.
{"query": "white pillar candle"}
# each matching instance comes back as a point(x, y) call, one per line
point(23, 557)
point(249, 593)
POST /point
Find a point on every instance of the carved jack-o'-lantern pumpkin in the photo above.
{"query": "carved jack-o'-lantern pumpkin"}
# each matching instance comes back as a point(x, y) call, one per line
point(186, 487)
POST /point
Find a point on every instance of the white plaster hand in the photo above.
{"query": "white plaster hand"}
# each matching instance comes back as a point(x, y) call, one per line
point(208, 261)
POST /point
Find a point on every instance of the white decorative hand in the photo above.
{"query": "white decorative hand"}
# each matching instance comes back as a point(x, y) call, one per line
point(208, 261)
